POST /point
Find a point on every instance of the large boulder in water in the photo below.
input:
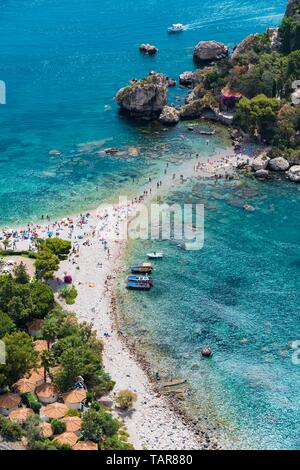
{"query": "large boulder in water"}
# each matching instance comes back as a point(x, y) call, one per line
point(279, 164)
point(294, 173)
point(209, 51)
point(169, 115)
point(145, 98)
point(262, 174)
point(260, 162)
point(148, 49)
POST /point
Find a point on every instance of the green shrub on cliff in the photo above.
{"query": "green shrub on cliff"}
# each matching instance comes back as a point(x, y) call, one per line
point(258, 115)
point(290, 29)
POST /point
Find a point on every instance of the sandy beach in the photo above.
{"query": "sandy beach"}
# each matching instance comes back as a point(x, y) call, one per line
point(93, 265)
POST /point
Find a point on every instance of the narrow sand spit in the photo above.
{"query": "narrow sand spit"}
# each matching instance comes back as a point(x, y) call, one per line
point(153, 424)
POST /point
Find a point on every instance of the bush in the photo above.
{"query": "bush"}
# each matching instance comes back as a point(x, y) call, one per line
point(46, 444)
point(58, 427)
point(126, 399)
point(69, 294)
point(73, 412)
point(31, 401)
point(9, 430)
point(7, 326)
point(58, 247)
point(115, 443)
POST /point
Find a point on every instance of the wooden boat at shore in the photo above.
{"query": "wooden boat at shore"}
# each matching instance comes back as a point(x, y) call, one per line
point(139, 285)
point(145, 268)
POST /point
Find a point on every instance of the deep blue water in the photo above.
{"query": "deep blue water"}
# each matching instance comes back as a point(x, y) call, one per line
point(64, 60)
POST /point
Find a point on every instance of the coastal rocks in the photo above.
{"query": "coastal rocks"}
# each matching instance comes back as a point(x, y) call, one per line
point(242, 162)
point(145, 98)
point(208, 51)
point(261, 161)
point(278, 164)
point(244, 46)
point(293, 8)
point(169, 115)
point(262, 174)
point(148, 49)
point(275, 38)
point(197, 93)
point(192, 110)
point(294, 174)
point(186, 79)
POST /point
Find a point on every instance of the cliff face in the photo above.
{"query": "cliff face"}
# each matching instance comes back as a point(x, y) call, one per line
point(145, 98)
point(291, 27)
point(293, 8)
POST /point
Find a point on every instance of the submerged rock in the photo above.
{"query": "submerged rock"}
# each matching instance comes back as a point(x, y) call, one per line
point(169, 115)
point(148, 49)
point(279, 164)
point(261, 161)
point(145, 98)
point(206, 352)
point(208, 51)
point(294, 173)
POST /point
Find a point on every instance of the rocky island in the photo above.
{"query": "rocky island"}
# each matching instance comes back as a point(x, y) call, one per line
point(253, 90)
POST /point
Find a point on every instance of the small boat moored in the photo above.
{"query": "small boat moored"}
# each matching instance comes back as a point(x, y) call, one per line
point(139, 285)
point(141, 279)
point(145, 268)
point(155, 255)
point(176, 28)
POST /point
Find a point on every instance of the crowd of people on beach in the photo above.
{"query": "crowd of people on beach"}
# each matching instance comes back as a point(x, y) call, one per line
point(76, 228)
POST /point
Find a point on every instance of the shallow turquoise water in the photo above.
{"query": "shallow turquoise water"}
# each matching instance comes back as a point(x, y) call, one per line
point(239, 294)
point(63, 62)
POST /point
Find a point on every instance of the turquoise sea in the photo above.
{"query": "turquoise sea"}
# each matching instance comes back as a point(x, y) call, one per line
point(62, 62)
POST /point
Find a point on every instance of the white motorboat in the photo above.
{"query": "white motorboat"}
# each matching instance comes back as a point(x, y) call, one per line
point(155, 255)
point(176, 28)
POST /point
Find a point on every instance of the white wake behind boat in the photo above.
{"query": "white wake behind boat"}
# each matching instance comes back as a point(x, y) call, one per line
point(176, 28)
point(155, 255)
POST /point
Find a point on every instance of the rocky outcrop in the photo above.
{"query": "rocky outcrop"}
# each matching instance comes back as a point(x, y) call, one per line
point(196, 94)
point(262, 174)
point(294, 173)
point(207, 106)
point(169, 115)
point(148, 49)
point(244, 46)
point(209, 51)
point(278, 164)
point(261, 161)
point(275, 39)
point(145, 98)
point(192, 110)
point(186, 79)
point(293, 8)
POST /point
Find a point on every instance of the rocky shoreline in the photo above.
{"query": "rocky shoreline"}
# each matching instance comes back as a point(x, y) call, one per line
point(216, 89)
